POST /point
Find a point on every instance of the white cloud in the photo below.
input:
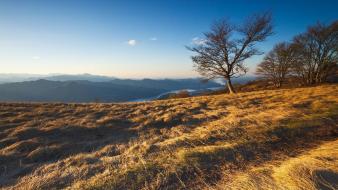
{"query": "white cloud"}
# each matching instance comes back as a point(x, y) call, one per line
point(36, 57)
point(153, 39)
point(198, 41)
point(131, 42)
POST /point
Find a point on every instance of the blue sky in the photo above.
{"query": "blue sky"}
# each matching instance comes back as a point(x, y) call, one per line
point(132, 39)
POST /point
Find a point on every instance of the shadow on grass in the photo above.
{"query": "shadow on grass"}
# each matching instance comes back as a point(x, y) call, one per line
point(326, 180)
point(32, 147)
point(283, 141)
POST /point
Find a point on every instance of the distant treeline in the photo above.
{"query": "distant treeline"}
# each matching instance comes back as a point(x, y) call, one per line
point(310, 58)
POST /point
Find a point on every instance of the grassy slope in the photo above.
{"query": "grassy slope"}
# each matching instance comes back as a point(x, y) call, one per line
point(281, 139)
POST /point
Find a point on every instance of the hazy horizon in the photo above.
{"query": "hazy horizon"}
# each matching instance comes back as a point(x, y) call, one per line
point(34, 75)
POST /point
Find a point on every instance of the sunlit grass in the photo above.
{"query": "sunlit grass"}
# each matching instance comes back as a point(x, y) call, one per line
point(273, 139)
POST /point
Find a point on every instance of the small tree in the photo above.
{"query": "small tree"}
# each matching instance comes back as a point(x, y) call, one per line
point(317, 53)
point(222, 55)
point(276, 64)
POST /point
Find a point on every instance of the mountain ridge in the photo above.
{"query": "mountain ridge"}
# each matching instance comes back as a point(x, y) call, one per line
point(117, 90)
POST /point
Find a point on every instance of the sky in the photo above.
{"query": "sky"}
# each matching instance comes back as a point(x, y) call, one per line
point(133, 39)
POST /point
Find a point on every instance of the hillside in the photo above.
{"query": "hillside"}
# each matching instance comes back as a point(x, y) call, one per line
point(273, 139)
point(116, 90)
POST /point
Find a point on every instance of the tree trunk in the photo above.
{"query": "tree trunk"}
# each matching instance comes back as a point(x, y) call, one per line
point(279, 84)
point(230, 87)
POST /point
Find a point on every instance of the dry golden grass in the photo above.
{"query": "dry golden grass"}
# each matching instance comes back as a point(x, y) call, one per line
point(278, 139)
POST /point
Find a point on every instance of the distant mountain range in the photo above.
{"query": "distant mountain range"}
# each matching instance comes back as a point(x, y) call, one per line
point(9, 78)
point(93, 88)
point(86, 91)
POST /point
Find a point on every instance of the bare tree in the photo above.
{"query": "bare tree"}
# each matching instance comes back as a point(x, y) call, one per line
point(222, 55)
point(276, 64)
point(317, 53)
